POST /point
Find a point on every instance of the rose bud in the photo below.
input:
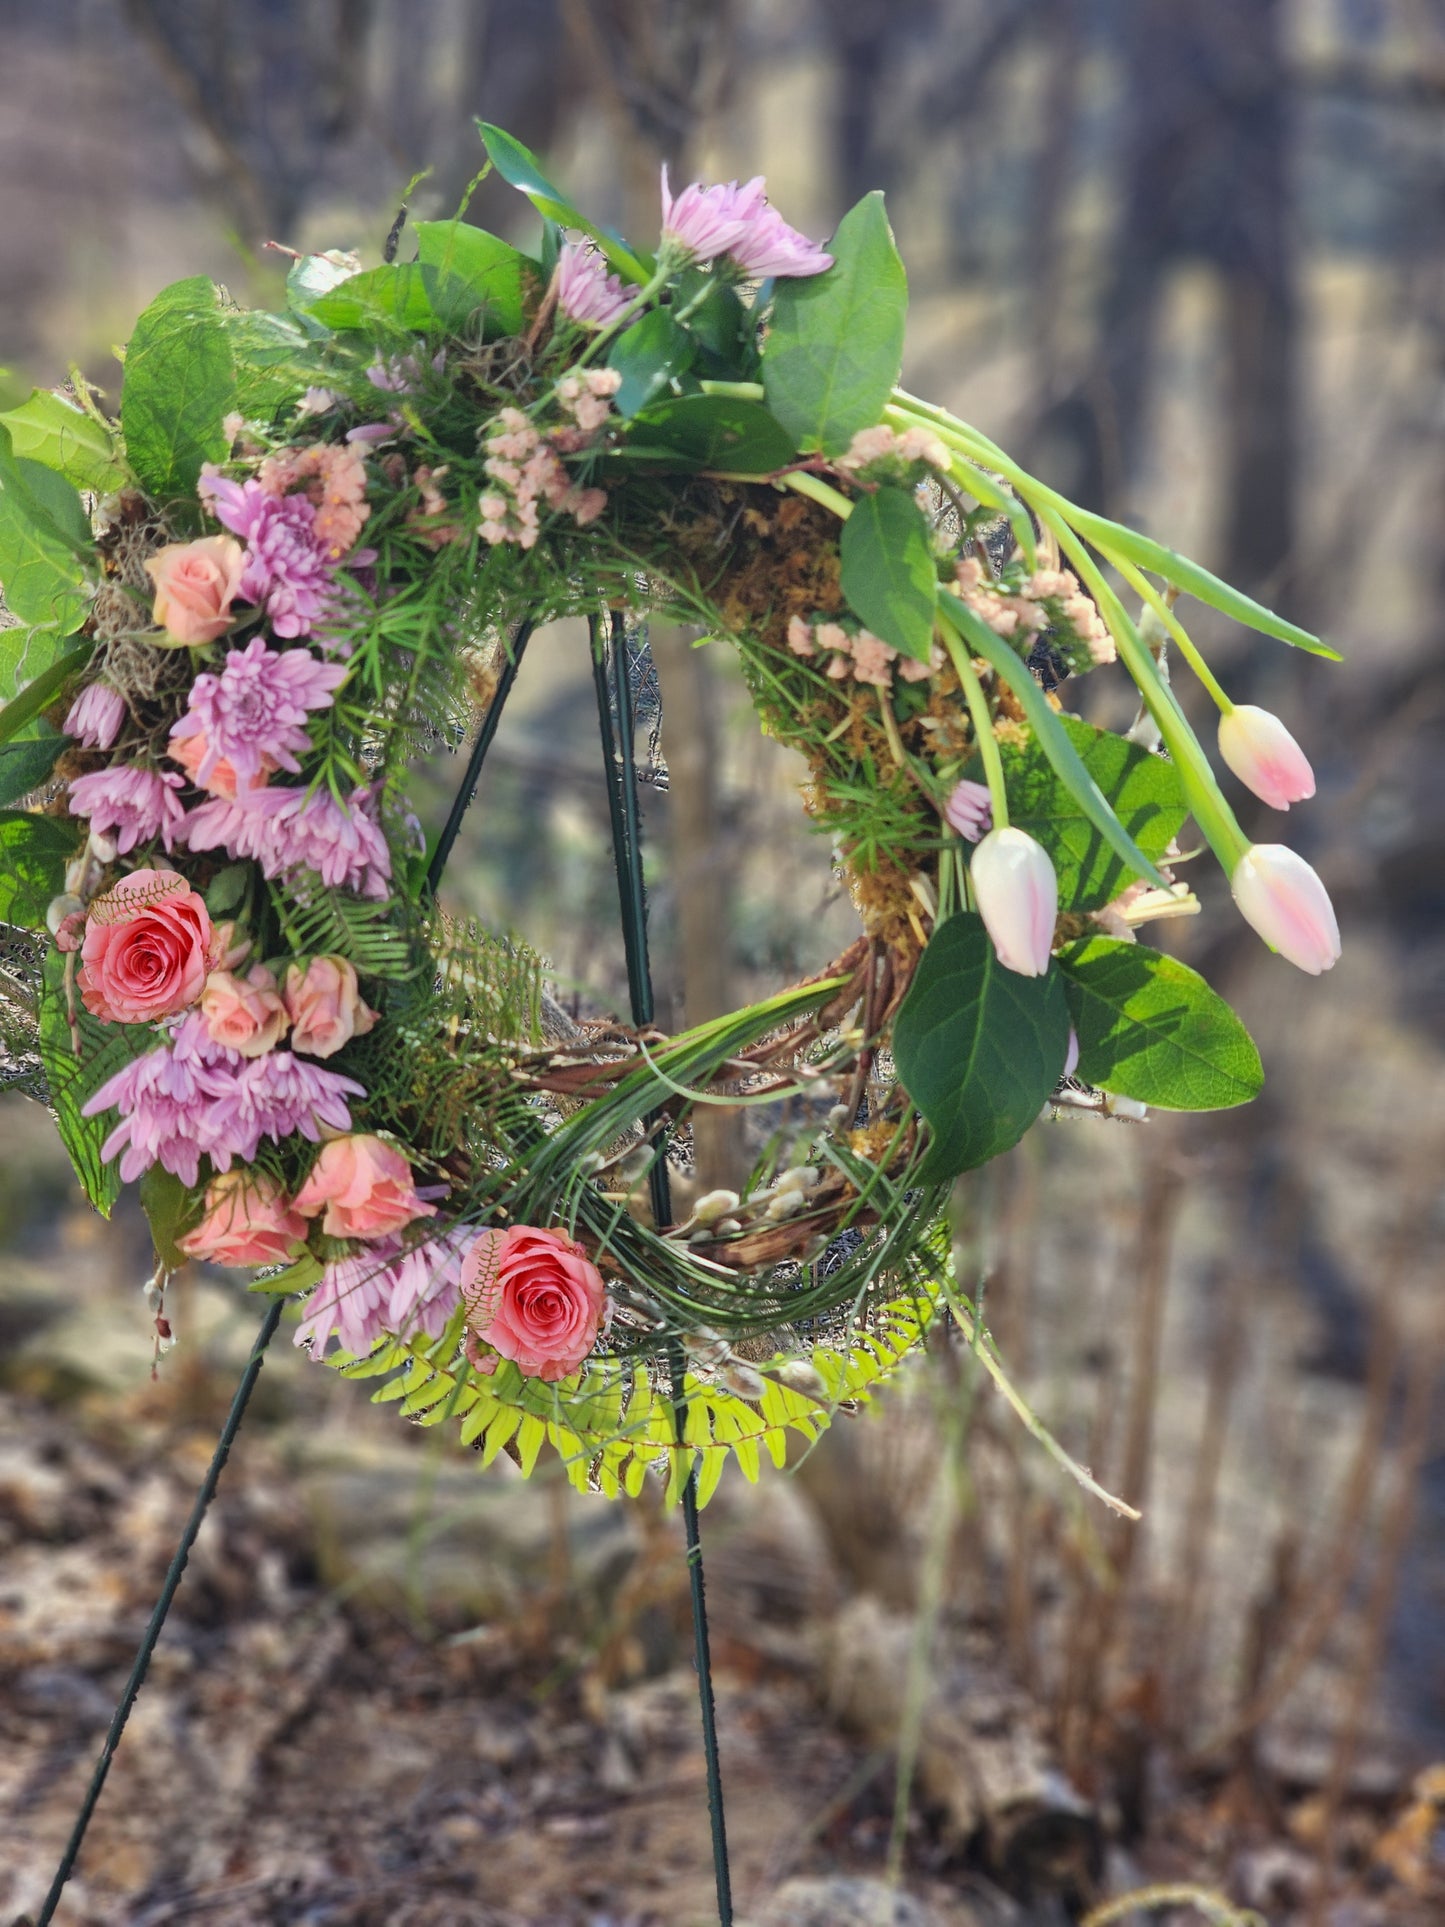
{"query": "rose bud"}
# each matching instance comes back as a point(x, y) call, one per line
point(1017, 895)
point(1265, 757)
point(325, 1006)
point(196, 583)
point(244, 1014)
point(247, 1222)
point(1279, 894)
point(364, 1186)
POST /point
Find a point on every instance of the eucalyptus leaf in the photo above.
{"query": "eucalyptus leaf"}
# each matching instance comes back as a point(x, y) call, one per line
point(834, 350)
point(25, 766)
point(889, 577)
point(649, 356)
point(520, 168)
point(179, 385)
point(1151, 1028)
point(714, 431)
point(34, 851)
point(469, 271)
point(43, 531)
point(1052, 738)
point(978, 1047)
point(40, 693)
point(1142, 790)
point(49, 429)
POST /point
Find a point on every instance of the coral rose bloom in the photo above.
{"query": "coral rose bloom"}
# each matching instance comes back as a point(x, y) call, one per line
point(196, 583)
point(247, 1222)
point(535, 1297)
point(146, 950)
point(324, 1005)
point(364, 1186)
point(245, 1014)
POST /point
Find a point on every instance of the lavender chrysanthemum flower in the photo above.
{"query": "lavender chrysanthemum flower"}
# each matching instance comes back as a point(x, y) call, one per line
point(768, 246)
point(288, 572)
point(703, 223)
point(280, 1094)
point(586, 292)
point(295, 829)
point(253, 710)
point(95, 716)
point(172, 1104)
point(352, 1300)
point(428, 1283)
point(969, 810)
point(132, 804)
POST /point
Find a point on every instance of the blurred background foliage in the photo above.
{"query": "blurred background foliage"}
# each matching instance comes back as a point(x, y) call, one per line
point(1184, 258)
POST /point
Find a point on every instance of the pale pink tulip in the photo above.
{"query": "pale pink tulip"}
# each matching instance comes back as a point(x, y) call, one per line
point(1265, 757)
point(1279, 894)
point(1017, 895)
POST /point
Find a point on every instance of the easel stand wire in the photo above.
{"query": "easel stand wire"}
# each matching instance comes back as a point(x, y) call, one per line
point(614, 703)
point(614, 714)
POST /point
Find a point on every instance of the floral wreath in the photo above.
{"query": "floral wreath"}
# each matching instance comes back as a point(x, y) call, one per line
point(238, 612)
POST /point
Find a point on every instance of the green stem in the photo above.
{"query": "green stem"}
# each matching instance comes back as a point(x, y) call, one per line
point(982, 724)
point(737, 390)
point(1144, 588)
point(818, 490)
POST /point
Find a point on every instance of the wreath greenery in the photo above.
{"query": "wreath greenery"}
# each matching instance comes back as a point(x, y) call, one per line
point(307, 553)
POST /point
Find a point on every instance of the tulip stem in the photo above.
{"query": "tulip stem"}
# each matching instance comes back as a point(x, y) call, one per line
point(1163, 608)
point(978, 709)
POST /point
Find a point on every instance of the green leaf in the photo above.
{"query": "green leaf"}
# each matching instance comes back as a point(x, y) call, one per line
point(714, 431)
point(724, 331)
point(649, 356)
point(26, 654)
point(520, 168)
point(1194, 580)
point(50, 430)
point(43, 530)
point(394, 296)
point(34, 851)
point(40, 693)
point(180, 383)
point(1142, 790)
point(469, 270)
point(299, 1275)
point(314, 275)
point(104, 1050)
point(834, 350)
point(1150, 1028)
point(1050, 734)
point(169, 1212)
point(25, 766)
point(978, 1047)
point(889, 577)
point(276, 361)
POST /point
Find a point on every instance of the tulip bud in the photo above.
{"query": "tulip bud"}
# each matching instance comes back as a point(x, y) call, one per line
point(1265, 757)
point(1017, 895)
point(1279, 894)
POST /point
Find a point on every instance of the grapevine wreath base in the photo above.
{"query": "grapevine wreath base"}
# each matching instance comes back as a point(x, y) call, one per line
point(308, 554)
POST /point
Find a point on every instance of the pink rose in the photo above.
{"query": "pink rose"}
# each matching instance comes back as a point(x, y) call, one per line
point(196, 583)
point(535, 1297)
point(190, 753)
point(147, 949)
point(245, 1014)
point(325, 1007)
point(364, 1186)
point(247, 1222)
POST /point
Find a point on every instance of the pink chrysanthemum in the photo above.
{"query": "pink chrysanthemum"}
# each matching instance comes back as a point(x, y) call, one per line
point(95, 716)
point(353, 1300)
point(727, 219)
point(428, 1283)
point(279, 1095)
point(586, 292)
point(131, 803)
point(252, 712)
point(288, 572)
point(296, 829)
point(969, 810)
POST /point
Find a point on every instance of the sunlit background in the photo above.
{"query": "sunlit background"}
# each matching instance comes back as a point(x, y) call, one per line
point(1184, 259)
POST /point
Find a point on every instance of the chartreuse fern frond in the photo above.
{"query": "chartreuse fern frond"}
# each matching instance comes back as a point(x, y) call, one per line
point(611, 1425)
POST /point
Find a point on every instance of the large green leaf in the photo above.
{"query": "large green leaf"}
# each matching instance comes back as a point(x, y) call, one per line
point(889, 577)
point(53, 431)
point(1050, 734)
point(520, 168)
point(649, 356)
point(978, 1047)
point(26, 654)
point(25, 766)
point(709, 307)
point(1142, 790)
point(34, 851)
point(1150, 1028)
point(714, 431)
point(470, 270)
point(104, 1050)
point(393, 297)
point(834, 350)
point(277, 360)
point(179, 385)
point(40, 693)
point(43, 535)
